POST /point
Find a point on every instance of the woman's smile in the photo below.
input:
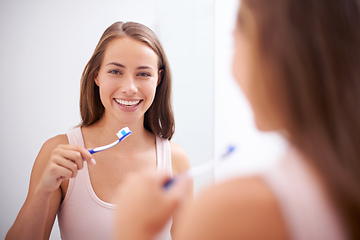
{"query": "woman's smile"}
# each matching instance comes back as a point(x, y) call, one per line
point(128, 105)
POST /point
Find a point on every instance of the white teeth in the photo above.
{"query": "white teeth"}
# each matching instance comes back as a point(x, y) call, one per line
point(127, 103)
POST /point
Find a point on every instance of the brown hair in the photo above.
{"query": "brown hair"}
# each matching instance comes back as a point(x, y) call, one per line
point(159, 118)
point(312, 47)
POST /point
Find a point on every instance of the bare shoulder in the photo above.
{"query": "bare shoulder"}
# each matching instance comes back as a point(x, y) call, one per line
point(44, 155)
point(46, 150)
point(53, 142)
point(179, 159)
point(49, 146)
point(243, 208)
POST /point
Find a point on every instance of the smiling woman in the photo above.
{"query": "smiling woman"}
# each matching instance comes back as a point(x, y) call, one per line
point(42, 65)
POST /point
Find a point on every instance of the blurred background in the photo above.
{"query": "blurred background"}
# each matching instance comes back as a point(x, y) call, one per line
point(45, 45)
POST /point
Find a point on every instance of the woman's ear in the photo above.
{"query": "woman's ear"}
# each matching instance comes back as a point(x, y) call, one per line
point(96, 79)
point(160, 76)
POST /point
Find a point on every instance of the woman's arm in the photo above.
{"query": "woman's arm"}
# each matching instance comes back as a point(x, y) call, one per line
point(57, 161)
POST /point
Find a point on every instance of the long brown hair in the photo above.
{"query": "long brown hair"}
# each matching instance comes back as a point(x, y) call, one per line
point(312, 47)
point(159, 118)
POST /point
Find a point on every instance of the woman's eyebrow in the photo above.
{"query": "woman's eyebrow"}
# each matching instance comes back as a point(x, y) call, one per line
point(122, 66)
point(116, 64)
point(145, 67)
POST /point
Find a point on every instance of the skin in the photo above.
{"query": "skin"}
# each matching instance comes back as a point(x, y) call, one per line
point(243, 208)
point(129, 72)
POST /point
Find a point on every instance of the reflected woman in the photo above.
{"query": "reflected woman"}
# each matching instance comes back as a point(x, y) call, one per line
point(126, 83)
point(297, 63)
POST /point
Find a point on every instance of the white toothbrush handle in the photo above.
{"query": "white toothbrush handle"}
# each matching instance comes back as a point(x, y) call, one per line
point(98, 149)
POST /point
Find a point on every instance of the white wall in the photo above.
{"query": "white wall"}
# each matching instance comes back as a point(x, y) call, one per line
point(44, 47)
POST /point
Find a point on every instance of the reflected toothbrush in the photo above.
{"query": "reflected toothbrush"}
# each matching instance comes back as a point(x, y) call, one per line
point(122, 134)
point(201, 169)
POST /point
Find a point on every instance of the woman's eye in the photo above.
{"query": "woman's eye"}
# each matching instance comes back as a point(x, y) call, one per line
point(114, 72)
point(144, 74)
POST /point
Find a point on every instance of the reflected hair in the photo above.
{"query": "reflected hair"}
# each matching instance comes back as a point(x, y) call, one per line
point(159, 118)
point(312, 49)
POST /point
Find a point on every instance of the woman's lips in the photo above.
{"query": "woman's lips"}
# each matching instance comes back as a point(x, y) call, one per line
point(128, 103)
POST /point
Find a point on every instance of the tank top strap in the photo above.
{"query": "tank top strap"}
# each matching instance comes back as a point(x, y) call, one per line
point(306, 208)
point(75, 137)
point(163, 152)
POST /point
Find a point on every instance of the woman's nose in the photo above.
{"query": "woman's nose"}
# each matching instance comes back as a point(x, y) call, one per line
point(129, 86)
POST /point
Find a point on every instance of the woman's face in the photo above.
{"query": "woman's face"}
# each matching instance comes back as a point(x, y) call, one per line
point(249, 73)
point(127, 79)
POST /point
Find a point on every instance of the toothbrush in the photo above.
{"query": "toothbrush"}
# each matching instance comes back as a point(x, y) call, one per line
point(201, 169)
point(123, 133)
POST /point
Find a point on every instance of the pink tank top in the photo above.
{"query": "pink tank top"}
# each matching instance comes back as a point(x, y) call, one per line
point(82, 215)
point(307, 211)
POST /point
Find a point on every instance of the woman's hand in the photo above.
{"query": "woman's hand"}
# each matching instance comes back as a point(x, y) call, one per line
point(64, 163)
point(144, 206)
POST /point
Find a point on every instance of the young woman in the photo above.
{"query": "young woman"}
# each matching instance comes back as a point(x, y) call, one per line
point(126, 83)
point(297, 62)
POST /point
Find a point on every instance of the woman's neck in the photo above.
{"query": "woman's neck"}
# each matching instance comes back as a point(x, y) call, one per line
point(104, 132)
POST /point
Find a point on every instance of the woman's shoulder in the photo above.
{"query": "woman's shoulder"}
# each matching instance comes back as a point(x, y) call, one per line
point(242, 208)
point(179, 158)
point(51, 143)
point(44, 156)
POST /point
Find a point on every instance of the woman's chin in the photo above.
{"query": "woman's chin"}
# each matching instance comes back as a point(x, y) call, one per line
point(266, 126)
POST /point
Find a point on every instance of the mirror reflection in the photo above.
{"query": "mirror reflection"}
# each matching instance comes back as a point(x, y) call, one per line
point(46, 48)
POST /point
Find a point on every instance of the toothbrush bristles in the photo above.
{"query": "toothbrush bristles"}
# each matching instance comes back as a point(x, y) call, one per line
point(123, 132)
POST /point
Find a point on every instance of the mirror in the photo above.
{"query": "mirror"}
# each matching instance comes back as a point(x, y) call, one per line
point(45, 46)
